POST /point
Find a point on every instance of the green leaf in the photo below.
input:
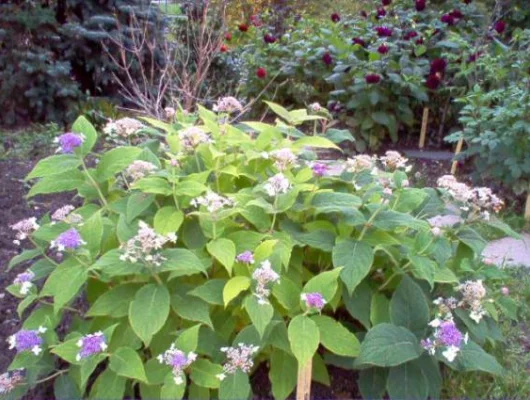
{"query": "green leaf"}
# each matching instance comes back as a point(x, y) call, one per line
point(170, 390)
point(204, 373)
point(61, 182)
point(379, 309)
point(409, 308)
point(149, 311)
point(168, 220)
point(336, 338)
point(224, 251)
point(64, 388)
point(127, 363)
point(372, 382)
point(391, 220)
point(235, 386)
point(282, 374)
point(472, 239)
point(108, 385)
point(137, 204)
point(211, 291)
point(503, 227)
point(287, 293)
point(472, 357)
point(304, 338)
point(326, 202)
point(92, 233)
point(190, 188)
point(324, 283)
point(83, 126)
point(356, 258)
point(110, 264)
point(264, 250)
point(182, 262)
point(407, 381)
point(234, 287)
point(26, 255)
point(115, 302)
point(54, 165)
point(260, 314)
point(423, 268)
point(315, 141)
point(430, 368)
point(116, 160)
point(188, 340)
point(359, 303)
point(74, 275)
point(191, 308)
point(154, 185)
point(387, 345)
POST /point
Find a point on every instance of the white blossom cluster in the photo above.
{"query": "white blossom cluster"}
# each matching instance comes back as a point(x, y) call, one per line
point(360, 163)
point(24, 228)
point(239, 358)
point(10, 380)
point(264, 275)
point(145, 246)
point(212, 201)
point(65, 214)
point(139, 169)
point(228, 104)
point(283, 158)
point(473, 297)
point(278, 184)
point(193, 137)
point(123, 128)
point(480, 199)
point(393, 160)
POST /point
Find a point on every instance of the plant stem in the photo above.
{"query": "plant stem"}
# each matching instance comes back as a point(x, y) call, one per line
point(157, 279)
point(275, 214)
point(64, 307)
point(51, 376)
point(43, 251)
point(95, 184)
point(369, 223)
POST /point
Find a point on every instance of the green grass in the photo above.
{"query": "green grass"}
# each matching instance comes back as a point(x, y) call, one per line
point(514, 354)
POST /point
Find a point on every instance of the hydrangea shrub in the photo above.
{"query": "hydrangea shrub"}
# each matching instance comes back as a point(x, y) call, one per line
point(235, 250)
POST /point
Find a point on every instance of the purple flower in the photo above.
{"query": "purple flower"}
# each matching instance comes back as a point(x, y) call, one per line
point(410, 35)
point(69, 141)
point(90, 345)
point(313, 300)
point(335, 17)
point(69, 240)
point(438, 65)
point(449, 335)
point(268, 38)
point(381, 12)
point(383, 31)
point(500, 27)
point(178, 361)
point(327, 59)
point(359, 41)
point(456, 14)
point(24, 280)
point(319, 169)
point(448, 19)
point(420, 5)
point(433, 82)
point(246, 257)
point(383, 49)
point(27, 340)
point(372, 78)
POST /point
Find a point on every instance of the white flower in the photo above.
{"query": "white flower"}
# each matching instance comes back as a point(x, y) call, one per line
point(276, 185)
point(450, 353)
point(139, 169)
point(228, 104)
point(123, 127)
point(283, 158)
point(212, 201)
point(193, 137)
point(435, 323)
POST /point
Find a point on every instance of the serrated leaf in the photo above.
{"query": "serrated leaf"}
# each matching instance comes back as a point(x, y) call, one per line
point(224, 251)
point(304, 338)
point(149, 310)
point(234, 287)
point(127, 363)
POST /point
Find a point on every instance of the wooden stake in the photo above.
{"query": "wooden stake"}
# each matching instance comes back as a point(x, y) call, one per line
point(457, 151)
point(424, 123)
point(527, 209)
point(303, 386)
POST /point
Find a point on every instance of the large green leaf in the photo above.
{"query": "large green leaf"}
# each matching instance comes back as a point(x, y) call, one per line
point(423, 268)
point(204, 373)
point(168, 220)
point(304, 338)
point(64, 388)
point(83, 126)
point(54, 165)
point(387, 345)
point(137, 204)
point(391, 220)
point(234, 386)
point(472, 357)
point(191, 308)
point(472, 239)
point(149, 311)
point(356, 258)
point(116, 160)
point(188, 340)
point(260, 314)
point(336, 338)
point(170, 390)
point(109, 386)
point(61, 182)
point(92, 233)
point(359, 303)
point(115, 302)
point(234, 287)
point(407, 381)
point(127, 363)
point(211, 291)
point(224, 251)
point(64, 283)
point(409, 308)
point(182, 262)
point(282, 374)
point(372, 382)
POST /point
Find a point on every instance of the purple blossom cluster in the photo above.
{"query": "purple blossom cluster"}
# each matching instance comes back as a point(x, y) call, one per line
point(27, 340)
point(69, 240)
point(247, 257)
point(178, 361)
point(68, 142)
point(91, 344)
point(447, 337)
point(313, 301)
point(24, 281)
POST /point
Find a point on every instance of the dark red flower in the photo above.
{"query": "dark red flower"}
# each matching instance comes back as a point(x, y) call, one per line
point(243, 27)
point(456, 14)
point(327, 59)
point(363, 14)
point(261, 72)
point(500, 26)
point(224, 48)
point(381, 12)
point(438, 65)
point(359, 41)
point(268, 38)
point(433, 82)
point(372, 78)
point(228, 36)
point(448, 19)
point(420, 5)
point(410, 35)
point(386, 2)
point(474, 57)
point(383, 49)
point(335, 17)
point(468, 1)
point(420, 41)
point(383, 31)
